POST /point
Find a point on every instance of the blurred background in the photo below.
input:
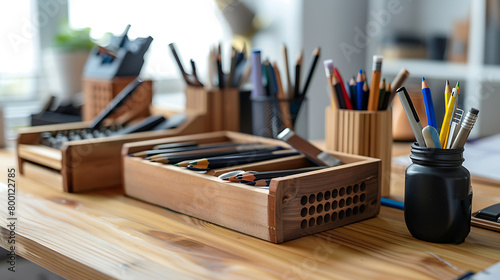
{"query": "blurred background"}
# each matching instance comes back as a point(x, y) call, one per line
point(456, 40)
point(45, 44)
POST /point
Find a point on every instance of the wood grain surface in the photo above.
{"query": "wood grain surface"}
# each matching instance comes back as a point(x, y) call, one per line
point(103, 234)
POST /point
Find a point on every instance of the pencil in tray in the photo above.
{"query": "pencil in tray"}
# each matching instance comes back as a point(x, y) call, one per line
point(225, 161)
point(149, 153)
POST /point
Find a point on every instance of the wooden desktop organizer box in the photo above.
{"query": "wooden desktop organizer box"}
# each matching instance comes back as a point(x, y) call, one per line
point(85, 164)
point(220, 107)
point(294, 206)
point(99, 92)
point(365, 133)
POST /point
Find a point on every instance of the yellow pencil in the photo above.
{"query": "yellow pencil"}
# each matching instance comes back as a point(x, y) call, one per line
point(445, 126)
point(447, 93)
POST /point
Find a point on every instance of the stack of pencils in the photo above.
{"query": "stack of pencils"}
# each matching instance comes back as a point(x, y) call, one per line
point(204, 157)
point(455, 128)
point(286, 92)
point(359, 96)
point(238, 73)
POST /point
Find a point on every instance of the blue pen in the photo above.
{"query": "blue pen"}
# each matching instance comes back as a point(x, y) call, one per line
point(392, 203)
point(429, 106)
point(359, 91)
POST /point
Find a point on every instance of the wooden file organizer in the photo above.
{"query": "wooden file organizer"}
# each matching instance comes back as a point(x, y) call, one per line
point(98, 93)
point(294, 206)
point(221, 107)
point(86, 164)
point(365, 133)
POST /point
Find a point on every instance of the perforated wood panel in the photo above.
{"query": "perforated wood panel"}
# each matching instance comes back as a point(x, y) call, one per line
point(327, 200)
point(98, 94)
point(328, 206)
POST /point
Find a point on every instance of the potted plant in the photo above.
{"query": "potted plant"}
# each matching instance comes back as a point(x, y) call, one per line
point(69, 52)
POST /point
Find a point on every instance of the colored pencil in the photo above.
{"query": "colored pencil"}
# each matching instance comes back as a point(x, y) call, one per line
point(447, 93)
point(429, 105)
point(374, 88)
point(347, 100)
point(359, 90)
point(338, 92)
point(387, 96)
point(381, 95)
point(445, 126)
point(270, 89)
point(259, 183)
point(183, 161)
point(179, 160)
point(225, 161)
point(212, 148)
point(220, 73)
point(366, 94)
point(298, 66)
point(175, 145)
point(232, 68)
point(328, 64)
point(283, 101)
point(162, 149)
point(289, 86)
point(352, 93)
point(316, 54)
point(252, 176)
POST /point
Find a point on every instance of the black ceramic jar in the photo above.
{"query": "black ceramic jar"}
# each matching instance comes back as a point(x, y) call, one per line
point(438, 195)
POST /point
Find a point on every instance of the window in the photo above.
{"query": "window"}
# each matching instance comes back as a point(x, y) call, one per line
point(18, 50)
point(194, 26)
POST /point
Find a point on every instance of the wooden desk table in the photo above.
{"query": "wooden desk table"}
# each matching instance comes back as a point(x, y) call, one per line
point(107, 235)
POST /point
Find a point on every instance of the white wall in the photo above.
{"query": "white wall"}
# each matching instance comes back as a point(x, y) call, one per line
point(329, 24)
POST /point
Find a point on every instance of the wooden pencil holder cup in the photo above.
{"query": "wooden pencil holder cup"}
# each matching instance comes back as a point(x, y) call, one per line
point(220, 107)
point(364, 133)
point(99, 92)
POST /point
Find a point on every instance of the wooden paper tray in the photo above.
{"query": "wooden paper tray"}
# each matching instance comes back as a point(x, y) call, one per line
point(294, 206)
point(85, 164)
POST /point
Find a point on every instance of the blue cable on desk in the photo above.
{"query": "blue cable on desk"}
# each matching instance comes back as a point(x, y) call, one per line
point(392, 203)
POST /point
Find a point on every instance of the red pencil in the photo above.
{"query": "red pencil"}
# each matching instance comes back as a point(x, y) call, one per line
point(348, 103)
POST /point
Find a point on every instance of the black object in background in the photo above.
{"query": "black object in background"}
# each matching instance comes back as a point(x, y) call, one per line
point(145, 125)
point(127, 60)
point(172, 122)
point(490, 213)
point(62, 114)
point(436, 47)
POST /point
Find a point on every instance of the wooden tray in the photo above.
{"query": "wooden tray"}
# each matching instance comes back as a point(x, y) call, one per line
point(294, 206)
point(221, 107)
point(364, 133)
point(86, 164)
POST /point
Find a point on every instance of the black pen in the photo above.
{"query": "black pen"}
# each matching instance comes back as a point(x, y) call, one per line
point(298, 65)
point(220, 73)
point(186, 77)
point(195, 73)
point(316, 54)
